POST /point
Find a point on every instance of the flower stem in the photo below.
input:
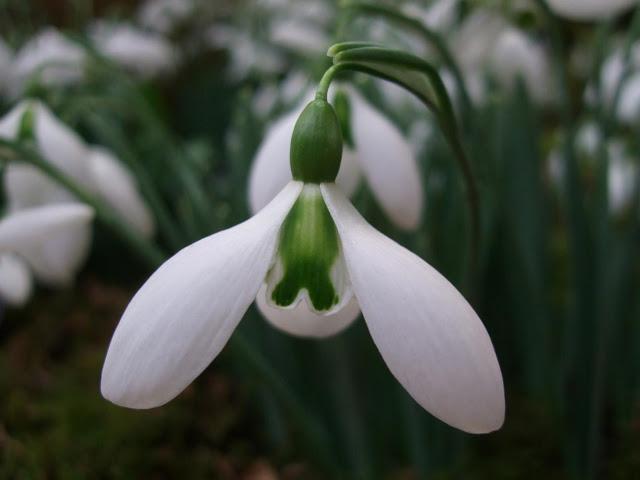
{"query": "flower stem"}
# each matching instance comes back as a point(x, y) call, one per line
point(432, 38)
point(147, 250)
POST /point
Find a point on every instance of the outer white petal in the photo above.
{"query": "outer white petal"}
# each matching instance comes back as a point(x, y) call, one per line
point(302, 322)
point(388, 164)
point(589, 9)
point(53, 240)
point(117, 186)
point(184, 314)
point(15, 280)
point(271, 170)
point(427, 333)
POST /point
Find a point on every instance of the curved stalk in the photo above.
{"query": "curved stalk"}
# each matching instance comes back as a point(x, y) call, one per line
point(431, 38)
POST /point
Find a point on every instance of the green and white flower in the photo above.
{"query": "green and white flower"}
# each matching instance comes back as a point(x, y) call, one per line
point(49, 242)
point(311, 259)
point(51, 58)
point(376, 150)
point(95, 169)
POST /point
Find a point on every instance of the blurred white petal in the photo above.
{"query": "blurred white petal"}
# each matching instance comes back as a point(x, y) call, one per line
point(590, 9)
point(15, 280)
point(184, 314)
point(476, 38)
point(142, 53)
point(54, 239)
point(117, 186)
point(440, 15)
point(163, 15)
point(300, 36)
point(629, 102)
point(429, 336)
point(51, 57)
point(621, 178)
point(302, 322)
point(388, 163)
point(516, 56)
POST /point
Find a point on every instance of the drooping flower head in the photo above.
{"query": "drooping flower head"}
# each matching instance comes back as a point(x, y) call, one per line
point(311, 261)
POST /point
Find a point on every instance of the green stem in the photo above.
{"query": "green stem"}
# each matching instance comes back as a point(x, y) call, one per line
point(432, 38)
point(148, 251)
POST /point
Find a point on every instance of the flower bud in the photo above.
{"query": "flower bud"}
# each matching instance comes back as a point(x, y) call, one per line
point(316, 144)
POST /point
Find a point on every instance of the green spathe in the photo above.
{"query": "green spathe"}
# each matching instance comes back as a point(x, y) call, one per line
point(308, 250)
point(316, 144)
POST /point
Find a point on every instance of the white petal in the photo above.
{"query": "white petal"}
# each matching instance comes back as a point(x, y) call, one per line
point(184, 314)
point(589, 9)
point(54, 240)
point(26, 187)
point(427, 333)
point(271, 169)
point(15, 280)
point(142, 53)
point(515, 57)
point(50, 56)
point(629, 102)
point(349, 173)
point(302, 322)
point(388, 164)
point(117, 186)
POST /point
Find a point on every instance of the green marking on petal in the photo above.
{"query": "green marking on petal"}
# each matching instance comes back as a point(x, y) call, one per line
point(308, 249)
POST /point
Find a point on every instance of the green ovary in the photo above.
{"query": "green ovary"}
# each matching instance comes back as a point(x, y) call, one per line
point(308, 249)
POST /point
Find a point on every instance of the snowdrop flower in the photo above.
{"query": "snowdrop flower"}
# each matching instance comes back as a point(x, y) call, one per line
point(311, 255)
point(94, 169)
point(163, 15)
point(590, 9)
point(516, 56)
point(51, 241)
point(395, 184)
point(144, 54)
point(50, 57)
